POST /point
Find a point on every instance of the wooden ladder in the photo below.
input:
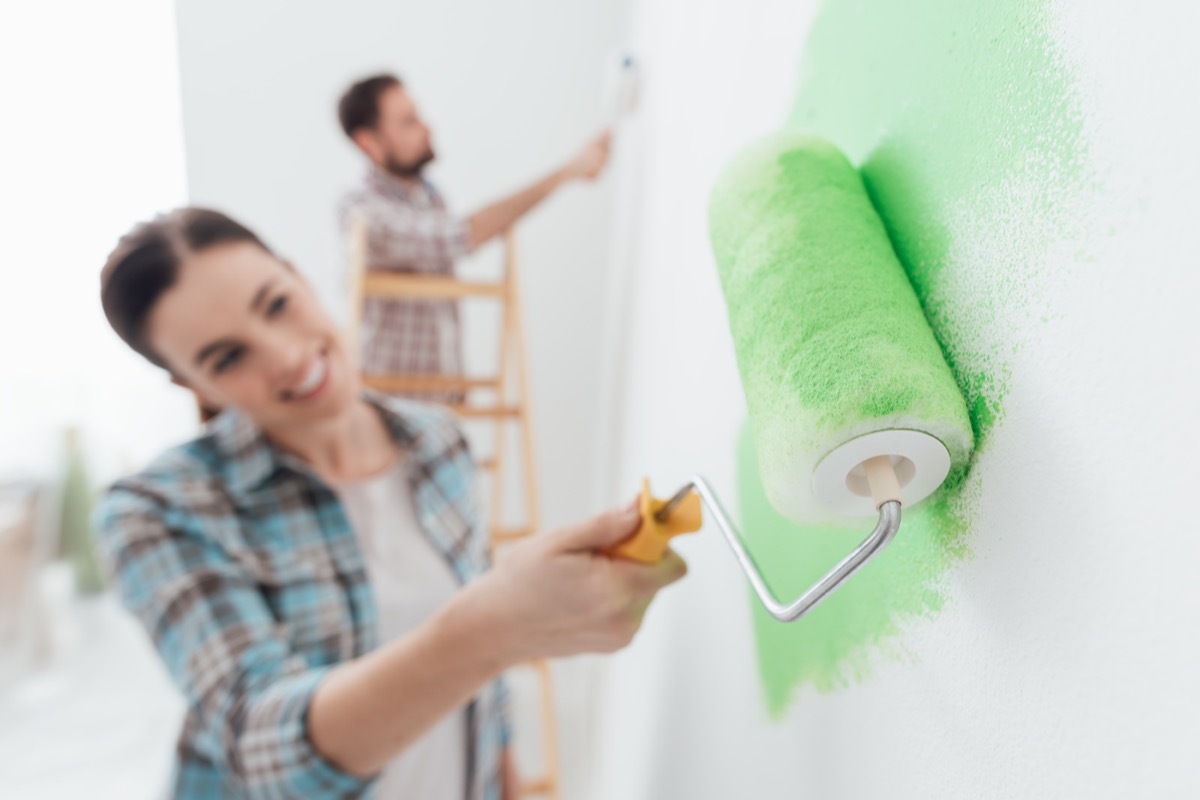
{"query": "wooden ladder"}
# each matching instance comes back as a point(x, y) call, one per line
point(505, 412)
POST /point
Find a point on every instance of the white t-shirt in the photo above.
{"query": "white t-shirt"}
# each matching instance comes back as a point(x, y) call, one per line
point(410, 581)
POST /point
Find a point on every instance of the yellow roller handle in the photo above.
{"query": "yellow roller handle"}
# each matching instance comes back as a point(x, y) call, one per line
point(650, 542)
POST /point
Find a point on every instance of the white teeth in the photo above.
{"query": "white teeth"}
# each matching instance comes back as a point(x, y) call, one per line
point(316, 374)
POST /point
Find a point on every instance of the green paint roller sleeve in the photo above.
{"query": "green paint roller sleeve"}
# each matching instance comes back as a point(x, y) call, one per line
point(831, 341)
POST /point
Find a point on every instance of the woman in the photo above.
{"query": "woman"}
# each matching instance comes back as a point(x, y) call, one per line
point(312, 567)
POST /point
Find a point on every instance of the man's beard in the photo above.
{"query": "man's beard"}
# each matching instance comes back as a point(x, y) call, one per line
point(410, 170)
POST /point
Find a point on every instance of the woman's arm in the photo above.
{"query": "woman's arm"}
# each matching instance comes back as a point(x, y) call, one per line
point(279, 727)
point(369, 709)
point(248, 693)
point(510, 776)
point(551, 595)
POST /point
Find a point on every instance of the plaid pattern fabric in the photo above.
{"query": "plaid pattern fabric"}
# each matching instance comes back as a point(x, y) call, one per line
point(409, 230)
point(244, 570)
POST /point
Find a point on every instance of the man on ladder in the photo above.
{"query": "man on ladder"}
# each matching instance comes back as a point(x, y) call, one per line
point(409, 229)
point(409, 337)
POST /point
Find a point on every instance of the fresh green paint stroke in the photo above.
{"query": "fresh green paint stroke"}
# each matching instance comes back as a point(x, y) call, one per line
point(967, 129)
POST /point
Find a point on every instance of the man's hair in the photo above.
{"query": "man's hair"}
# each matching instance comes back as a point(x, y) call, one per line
point(359, 106)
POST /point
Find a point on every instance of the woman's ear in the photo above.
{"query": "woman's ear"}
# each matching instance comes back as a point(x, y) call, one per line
point(206, 409)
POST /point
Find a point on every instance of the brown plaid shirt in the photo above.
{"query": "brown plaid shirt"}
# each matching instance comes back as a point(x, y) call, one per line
point(409, 230)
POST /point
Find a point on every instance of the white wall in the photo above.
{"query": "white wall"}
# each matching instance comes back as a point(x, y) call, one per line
point(511, 91)
point(1064, 662)
point(91, 141)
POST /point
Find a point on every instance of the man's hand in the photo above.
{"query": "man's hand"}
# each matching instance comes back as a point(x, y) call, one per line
point(592, 159)
point(500, 216)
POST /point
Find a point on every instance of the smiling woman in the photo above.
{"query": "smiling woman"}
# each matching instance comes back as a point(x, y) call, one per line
point(311, 568)
point(276, 355)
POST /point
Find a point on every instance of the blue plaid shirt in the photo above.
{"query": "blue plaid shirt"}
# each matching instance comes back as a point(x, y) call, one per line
point(243, 568)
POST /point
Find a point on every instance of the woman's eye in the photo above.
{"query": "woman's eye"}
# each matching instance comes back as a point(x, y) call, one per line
point(277, 305)
point(228, 360)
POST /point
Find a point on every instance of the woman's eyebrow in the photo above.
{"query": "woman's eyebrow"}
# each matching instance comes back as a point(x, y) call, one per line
point(261, 294)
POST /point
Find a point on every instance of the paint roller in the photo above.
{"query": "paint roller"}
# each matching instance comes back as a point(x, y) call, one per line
point(620, 88)
point(853, 409)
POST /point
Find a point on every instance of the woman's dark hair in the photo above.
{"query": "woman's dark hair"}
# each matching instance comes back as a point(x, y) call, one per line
point(359, 106)
point(146, 263)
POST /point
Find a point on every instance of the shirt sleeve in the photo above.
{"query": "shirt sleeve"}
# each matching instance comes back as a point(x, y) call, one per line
point(410, 239)
point(504, 712)
point(247, 691)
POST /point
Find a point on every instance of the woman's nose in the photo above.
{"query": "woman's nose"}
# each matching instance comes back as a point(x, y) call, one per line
point(285, 355)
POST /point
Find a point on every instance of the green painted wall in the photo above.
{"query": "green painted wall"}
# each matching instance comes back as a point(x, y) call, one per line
point(967, 128)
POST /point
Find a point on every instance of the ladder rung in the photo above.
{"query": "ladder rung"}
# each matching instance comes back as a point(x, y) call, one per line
point(477, 412)
point(543, 786)
point(486, 463)
point(509, 534)
point(426, 287)
point(415, 384)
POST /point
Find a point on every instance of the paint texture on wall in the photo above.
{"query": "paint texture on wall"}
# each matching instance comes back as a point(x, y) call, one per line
point(966, 126)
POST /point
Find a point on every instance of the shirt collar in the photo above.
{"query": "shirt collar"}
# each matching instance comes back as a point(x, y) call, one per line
point(387, 183)
point(249, 458)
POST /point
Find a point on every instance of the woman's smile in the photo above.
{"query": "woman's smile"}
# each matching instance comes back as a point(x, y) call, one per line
point(314, 379)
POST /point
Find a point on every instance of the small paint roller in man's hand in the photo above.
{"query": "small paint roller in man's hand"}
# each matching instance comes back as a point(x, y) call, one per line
point(620, 88)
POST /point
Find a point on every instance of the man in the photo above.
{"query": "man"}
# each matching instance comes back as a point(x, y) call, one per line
point(409, 228)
